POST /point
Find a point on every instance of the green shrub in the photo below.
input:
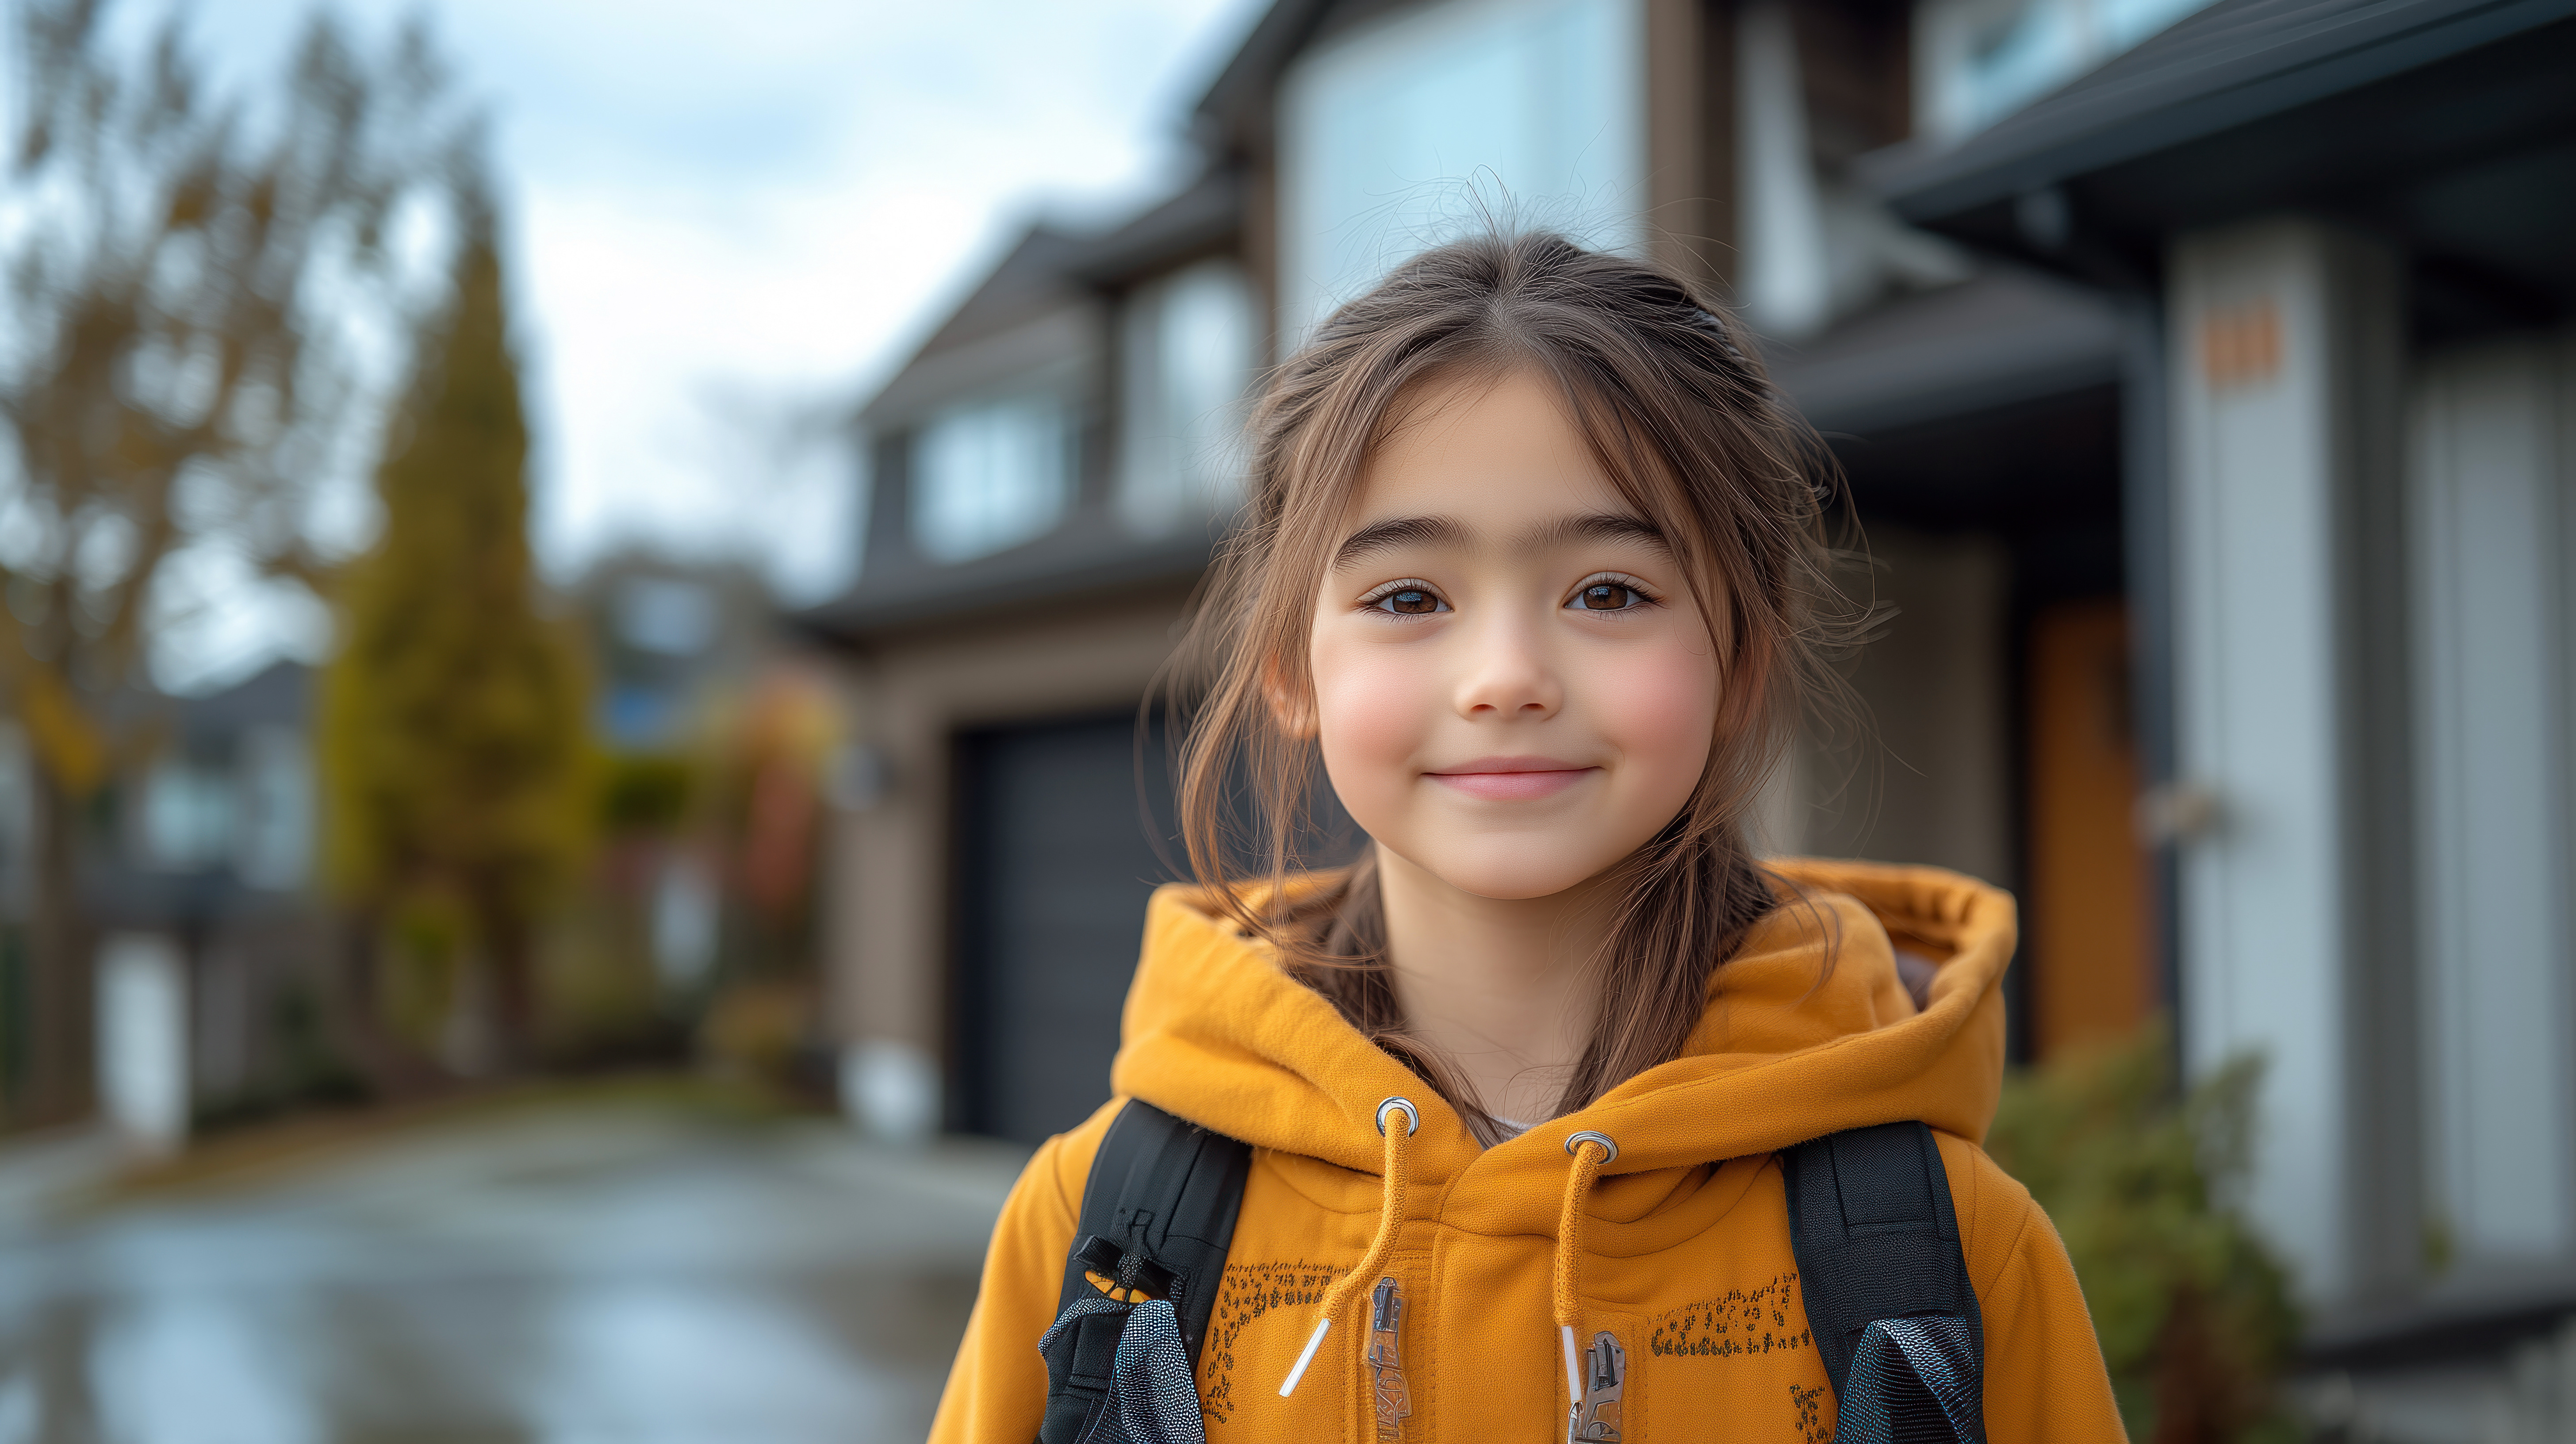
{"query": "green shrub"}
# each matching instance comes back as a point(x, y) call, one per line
point(2193, 1311)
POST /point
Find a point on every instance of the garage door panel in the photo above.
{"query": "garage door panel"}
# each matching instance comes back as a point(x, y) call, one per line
point(1054, 869)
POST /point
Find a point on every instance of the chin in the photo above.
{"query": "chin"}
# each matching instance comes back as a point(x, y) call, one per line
point(1516, 879)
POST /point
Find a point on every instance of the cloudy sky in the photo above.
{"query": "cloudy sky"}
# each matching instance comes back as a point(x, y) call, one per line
point(728, 214)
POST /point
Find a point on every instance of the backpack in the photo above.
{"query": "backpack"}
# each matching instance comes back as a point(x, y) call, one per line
point(1871, 1222)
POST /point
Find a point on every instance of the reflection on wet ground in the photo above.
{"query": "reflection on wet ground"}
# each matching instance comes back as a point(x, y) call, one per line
point(573, 1275)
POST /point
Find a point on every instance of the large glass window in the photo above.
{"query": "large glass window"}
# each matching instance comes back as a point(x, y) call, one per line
point(1980, 60)
point(1187, 354)
point(1398, 131)
point(989, 476)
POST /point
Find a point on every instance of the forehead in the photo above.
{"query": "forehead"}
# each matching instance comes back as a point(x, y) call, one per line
point(1497, 453)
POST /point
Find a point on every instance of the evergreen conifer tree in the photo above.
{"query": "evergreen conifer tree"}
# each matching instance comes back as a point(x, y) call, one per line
point(454, 727)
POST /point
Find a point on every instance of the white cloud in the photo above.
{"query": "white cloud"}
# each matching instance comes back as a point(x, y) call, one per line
point(730, 214)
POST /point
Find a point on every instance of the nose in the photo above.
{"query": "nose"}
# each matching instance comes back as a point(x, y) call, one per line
point(1508, 676)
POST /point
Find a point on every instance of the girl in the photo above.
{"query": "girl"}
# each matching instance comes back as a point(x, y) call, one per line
point(1534, 569)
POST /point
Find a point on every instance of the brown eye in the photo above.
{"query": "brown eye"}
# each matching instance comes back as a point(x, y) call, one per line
point(1609, 597)
point(1412, 602)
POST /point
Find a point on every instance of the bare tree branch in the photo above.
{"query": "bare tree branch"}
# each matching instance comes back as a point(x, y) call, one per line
point(180, 370)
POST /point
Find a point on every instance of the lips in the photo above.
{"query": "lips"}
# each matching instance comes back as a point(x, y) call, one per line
point(1512, 779)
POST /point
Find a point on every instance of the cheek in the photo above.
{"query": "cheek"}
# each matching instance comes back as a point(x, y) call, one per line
point(1373, 706)
point(1658, 707)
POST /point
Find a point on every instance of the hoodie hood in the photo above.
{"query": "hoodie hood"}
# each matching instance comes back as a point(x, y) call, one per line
point(1217, 1033)
point(1627, 1271)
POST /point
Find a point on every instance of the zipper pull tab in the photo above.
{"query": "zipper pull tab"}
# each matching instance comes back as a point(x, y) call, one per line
point(1605, 1373)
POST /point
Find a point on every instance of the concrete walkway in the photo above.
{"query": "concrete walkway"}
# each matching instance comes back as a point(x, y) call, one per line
point(567, 1274)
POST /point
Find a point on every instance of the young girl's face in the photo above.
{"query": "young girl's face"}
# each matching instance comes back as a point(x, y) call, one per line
point(1513, 686)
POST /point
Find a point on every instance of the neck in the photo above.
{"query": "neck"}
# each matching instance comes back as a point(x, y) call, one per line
point(1497, 988)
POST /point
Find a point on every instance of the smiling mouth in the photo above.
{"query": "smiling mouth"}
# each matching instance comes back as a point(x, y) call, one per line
point(1512, 779)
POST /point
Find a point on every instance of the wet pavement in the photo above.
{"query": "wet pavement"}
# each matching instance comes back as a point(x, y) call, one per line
point(570, 1275)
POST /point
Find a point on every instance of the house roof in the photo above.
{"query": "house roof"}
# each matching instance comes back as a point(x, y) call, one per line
point(2004, 336)
point(1088, 557)
point(1040, 311)
point(1033, 308)
point(1029, 278)
point(279, 694)
point(2442, 122)
point(1205, 215)
point(2225, 67)
point(1235, 110)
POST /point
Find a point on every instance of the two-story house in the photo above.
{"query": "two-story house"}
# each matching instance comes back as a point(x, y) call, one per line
point(2194, 372)
point(1048, 474)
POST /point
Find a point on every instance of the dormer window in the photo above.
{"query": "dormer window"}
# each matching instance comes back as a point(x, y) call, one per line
point(990, 475)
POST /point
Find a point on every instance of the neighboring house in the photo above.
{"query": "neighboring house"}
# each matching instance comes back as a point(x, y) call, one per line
point(670, 642)
point(2224, 548)
point(705, 717)
point(198, 875)
point(221, 854)
point(2349, 226)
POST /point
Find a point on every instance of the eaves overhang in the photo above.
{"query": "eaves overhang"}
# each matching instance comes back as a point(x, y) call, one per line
point(2437, 122)
point(1233, 114)
point(1203, 217)
point(1087, 560)
point(2228, 67)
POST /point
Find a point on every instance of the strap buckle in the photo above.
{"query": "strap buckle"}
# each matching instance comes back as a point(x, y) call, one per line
point(1130, 1268)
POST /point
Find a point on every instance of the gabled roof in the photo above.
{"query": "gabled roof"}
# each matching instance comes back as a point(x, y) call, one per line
point(1206, 215)
point(1029, 278)
point(1042, 309)
point(1031, 307)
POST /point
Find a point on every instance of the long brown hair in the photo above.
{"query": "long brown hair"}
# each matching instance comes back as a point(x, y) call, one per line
point(1668, 393)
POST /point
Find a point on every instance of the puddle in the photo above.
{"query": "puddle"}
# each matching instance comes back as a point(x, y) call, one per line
point(686, 1286)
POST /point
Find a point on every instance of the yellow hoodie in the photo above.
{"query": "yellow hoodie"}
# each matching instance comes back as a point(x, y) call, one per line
point(1679, 1247)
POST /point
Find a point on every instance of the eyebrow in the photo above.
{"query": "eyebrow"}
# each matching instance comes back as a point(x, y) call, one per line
point(1404, 531)
point(1596, 526)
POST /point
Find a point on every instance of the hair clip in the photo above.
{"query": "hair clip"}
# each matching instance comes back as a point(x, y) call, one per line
point(1709, 321)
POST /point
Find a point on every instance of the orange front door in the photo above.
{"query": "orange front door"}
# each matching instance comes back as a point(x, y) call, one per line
point(2085, 916)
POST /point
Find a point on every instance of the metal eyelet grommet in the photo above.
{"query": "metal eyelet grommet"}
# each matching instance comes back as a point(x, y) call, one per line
point(1588, 1136)
point(1412, 1119)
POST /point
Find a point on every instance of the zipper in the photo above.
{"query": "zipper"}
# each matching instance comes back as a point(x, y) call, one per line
point(1393, 1400)
point(1605, 1374)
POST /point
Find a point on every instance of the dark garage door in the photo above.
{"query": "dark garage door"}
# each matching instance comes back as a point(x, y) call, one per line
point(1054, 867)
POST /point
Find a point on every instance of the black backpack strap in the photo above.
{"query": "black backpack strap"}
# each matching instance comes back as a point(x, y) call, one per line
point(1877, 1242)
point(1157, 1215)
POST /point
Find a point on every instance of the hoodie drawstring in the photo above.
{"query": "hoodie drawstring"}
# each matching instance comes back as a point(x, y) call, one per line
point(1390, 1207)
point(1592, 1152)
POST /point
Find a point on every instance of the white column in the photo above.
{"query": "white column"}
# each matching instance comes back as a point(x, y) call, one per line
point(2489, 481)
point(2277, 329)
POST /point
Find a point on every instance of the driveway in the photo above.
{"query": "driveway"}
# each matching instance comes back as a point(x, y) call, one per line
point(567, 1274)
